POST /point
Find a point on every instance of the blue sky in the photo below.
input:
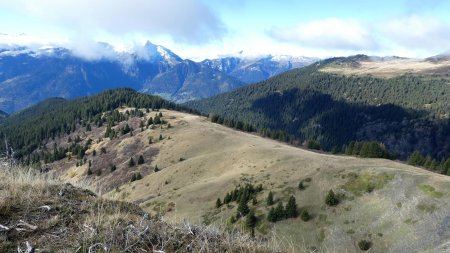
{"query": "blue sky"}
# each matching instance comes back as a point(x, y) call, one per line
point(201, 29)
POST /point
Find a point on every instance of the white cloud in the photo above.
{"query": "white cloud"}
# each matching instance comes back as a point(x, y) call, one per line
point(190, 29)
point(331, 33)
point(188, 21)
point(90, 50)
point(33, 42)
point(410, 36)
point(417, 33)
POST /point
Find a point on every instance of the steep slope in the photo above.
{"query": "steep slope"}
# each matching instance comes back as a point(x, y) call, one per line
point(393, 206)
point(30, 76)
point(406, 112)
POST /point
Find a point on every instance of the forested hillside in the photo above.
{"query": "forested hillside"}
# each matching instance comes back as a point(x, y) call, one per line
point(33, 127)
point(3, 114)
point(404, 113)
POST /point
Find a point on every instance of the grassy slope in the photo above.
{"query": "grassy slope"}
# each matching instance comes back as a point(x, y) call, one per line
point(57, 217)
point(407, 211)
point(391, 68)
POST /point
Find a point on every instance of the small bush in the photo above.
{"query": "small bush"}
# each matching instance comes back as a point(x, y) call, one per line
point(131, 162)
point(364, 245)
point(135, 177)
point(331, 199)
point(141, 160)
point(301, 186)
point(218, 203)
point(305, 216)
point(270, 199)
point(312, 144)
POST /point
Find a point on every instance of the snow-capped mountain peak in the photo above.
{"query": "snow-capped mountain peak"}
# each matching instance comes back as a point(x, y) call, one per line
point(152, 52)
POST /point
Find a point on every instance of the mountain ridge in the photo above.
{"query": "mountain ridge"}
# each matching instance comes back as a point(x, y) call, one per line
point(303, 105)
point(142, 149)
point(28, 76)
point(180, 162)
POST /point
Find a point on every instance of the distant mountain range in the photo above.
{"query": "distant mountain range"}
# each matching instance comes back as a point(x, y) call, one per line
point(28, 76)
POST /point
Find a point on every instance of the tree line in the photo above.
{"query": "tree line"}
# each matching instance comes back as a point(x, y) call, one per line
point(30, 129)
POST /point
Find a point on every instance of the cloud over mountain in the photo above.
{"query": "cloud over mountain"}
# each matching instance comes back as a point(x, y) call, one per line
point(331, 33)
point(188, 21)
point(417, 33)
point(412, 33)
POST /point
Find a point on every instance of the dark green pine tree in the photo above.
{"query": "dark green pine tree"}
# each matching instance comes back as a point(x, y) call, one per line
point(416, 159)
point(446, 166)
point(157, 120)
point(89, 172)
point(291, 208)
point(271, 216)
point(227, 198)
point(218, 203)
point(254, 201)
point(156, 168)
point(259, 188)
point(331, 199)
point(131, 162)
point(279, 211)
point(251, 221)
point(270, 199)
point(305, 216)
point(428, 162)
point(242, 209)
point(141, 160)
point(150, 121)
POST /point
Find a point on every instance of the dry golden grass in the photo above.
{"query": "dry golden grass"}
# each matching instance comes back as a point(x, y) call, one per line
point(56, 217)
point(390, 68)
point(200, 161)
